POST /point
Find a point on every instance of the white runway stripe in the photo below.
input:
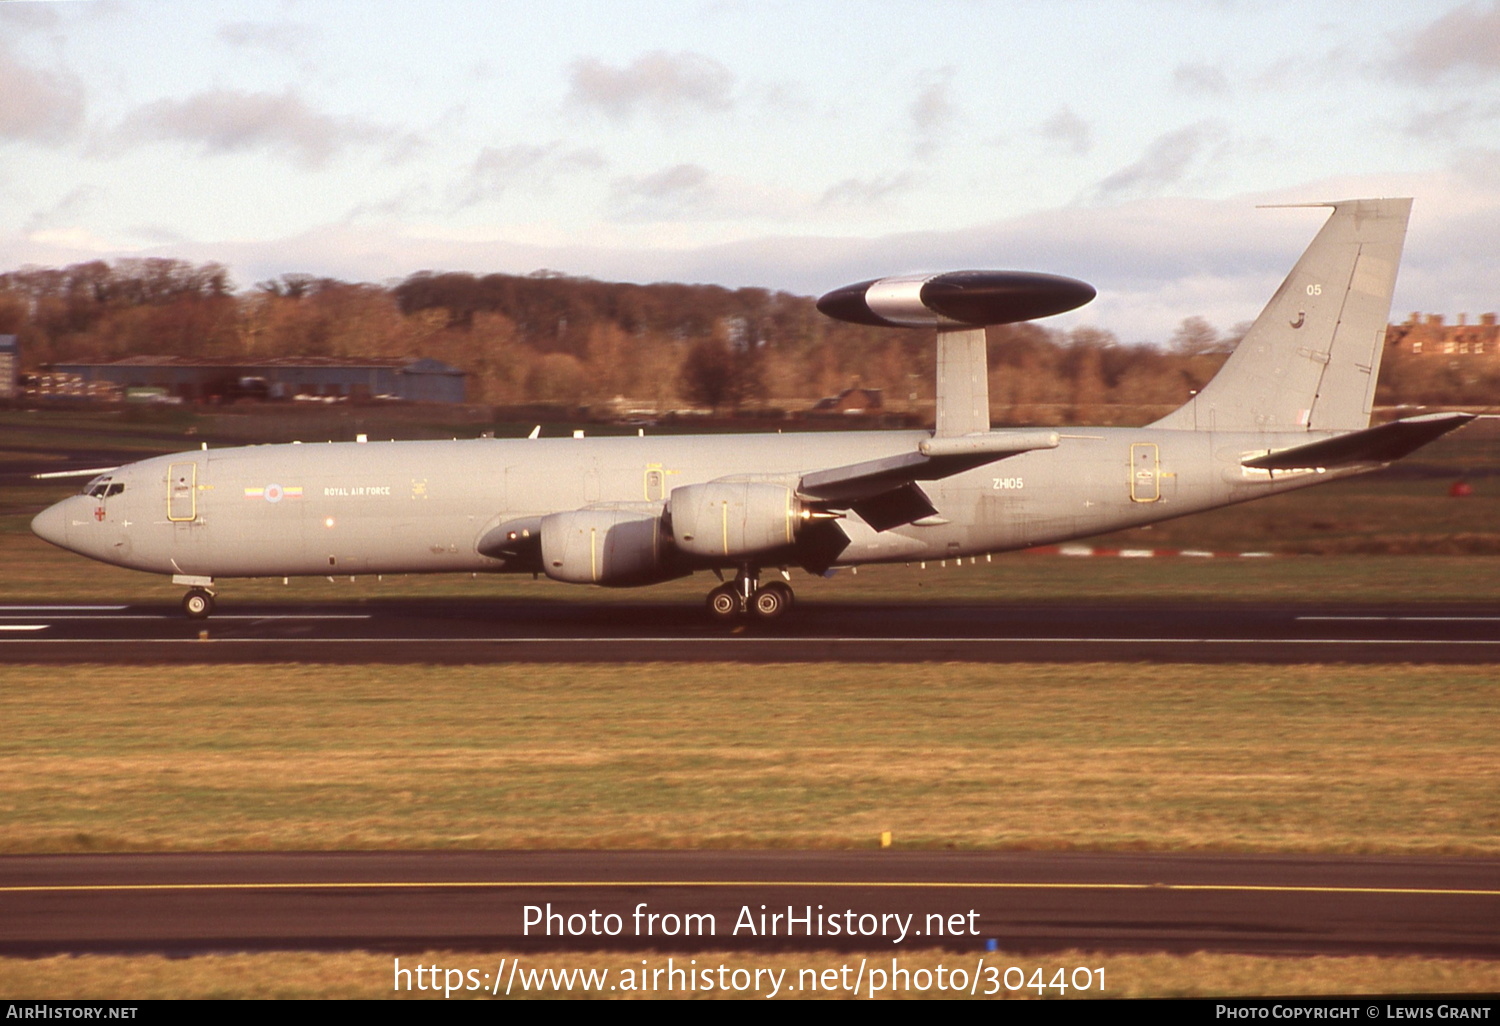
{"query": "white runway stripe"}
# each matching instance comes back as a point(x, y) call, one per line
point(217, 618)
point(688, 639)
point(64, 609)
point(1403, 619)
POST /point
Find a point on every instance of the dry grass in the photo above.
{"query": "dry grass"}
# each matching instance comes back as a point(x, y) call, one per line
point(364, 975)
point(1245, 758)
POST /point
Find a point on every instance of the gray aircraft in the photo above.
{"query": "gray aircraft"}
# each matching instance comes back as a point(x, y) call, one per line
point(1290, 408)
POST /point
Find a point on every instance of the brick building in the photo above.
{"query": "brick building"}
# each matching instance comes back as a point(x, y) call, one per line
point(1429, 335)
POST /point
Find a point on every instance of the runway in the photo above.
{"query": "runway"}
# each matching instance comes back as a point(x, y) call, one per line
point(712, 900)
point(513, 630)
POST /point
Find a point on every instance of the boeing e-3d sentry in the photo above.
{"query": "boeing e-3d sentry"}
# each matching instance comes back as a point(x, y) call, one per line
point(1290, 408)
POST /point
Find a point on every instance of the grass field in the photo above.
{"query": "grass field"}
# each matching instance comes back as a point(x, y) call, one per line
point(1106, 756)
point(363, 975)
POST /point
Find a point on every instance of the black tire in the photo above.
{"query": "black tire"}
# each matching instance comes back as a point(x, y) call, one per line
point(724, 602)
point(789, 596)
point(198, 604)
point(771, 601)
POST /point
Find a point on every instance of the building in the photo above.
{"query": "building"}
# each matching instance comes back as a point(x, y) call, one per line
point(10, 366)
point(852, 401)
point(413, 379)
point(1428, 335)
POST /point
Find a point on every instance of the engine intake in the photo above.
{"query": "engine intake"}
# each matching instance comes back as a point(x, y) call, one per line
point(603, 546)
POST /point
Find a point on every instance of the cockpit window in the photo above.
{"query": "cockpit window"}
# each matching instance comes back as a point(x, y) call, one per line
point(103, 488)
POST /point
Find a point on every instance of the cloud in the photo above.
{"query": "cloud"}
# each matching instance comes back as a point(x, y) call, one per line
point(1306, 70)
point(865, 192)
point(1452, 122)
point(1465, 40)
point(232, 121)
point(933, 109)
point(691, 192)
point(156, 234)
point(1166, 162)
point(1155, 261)
point(662, 84)
point(497, 170)
point(28, 16)
point(1200, 78)
point(65, 211)
point(1481, 169)
point(37, 106)
point(1070, 132)
point(275, 39)
point(272, 37)
point(680, 191)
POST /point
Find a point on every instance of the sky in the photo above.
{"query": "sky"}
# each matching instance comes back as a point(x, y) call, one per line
point(776, 143)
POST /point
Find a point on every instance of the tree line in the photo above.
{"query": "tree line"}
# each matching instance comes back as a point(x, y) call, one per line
point(551, 337)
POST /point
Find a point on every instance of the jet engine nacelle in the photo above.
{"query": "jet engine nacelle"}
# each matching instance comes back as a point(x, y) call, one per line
point(603, 546)
point(734, 518)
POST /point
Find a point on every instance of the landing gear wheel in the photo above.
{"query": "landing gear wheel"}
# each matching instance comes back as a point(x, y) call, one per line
point(724, 602)
point(772, 600)
point(198, 604)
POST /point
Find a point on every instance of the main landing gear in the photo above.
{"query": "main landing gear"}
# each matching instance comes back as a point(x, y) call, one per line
point(746, 596)
point(198, 604)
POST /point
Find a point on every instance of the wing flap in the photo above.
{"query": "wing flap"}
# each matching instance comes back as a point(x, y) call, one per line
point(894, 508)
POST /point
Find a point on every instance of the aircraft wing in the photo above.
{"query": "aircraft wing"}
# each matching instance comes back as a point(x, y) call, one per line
point(1383, 444)
point(884, 492)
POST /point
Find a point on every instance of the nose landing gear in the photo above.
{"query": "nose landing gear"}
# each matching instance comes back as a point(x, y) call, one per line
point(746, 596)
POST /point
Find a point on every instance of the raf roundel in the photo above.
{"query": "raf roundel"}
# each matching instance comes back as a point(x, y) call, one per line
point(273, 493)
point(956, 299)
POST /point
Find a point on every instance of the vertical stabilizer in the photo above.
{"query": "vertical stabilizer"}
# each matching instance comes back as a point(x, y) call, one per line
point(1311, 360)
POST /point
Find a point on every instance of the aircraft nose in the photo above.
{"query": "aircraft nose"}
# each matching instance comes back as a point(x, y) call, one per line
point(51, 524)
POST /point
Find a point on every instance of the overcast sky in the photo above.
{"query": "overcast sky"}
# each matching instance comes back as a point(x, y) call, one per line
point(791, 145)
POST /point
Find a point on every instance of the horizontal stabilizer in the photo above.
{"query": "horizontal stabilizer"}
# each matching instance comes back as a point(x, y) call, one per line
point(1383, 444)
point(935, 458)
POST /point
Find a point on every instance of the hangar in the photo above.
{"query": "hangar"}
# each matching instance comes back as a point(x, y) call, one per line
point(409, 378)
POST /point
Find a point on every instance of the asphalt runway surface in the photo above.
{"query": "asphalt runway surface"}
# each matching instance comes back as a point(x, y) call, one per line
point(711, 900)
point(519, 630)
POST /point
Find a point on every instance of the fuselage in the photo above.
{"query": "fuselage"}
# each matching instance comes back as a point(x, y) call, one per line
point(423, 507)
